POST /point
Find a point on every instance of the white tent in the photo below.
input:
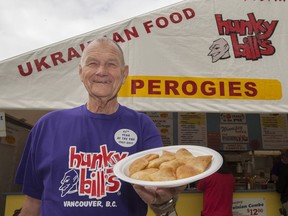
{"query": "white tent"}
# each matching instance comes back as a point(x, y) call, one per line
point(197, 55)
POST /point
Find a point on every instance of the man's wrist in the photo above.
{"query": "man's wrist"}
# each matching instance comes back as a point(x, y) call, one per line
point(170, 213)
point(165, 209)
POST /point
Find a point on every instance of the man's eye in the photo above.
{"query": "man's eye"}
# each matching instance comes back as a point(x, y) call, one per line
point(111, 64)
point(92, 64)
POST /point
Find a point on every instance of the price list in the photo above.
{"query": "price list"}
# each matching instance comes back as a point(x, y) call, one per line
point(192, 129)
point(164, 122)
point(249, 207)
point(274, 128)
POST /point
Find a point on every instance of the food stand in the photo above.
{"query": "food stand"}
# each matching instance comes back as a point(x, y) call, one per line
point(206, 72)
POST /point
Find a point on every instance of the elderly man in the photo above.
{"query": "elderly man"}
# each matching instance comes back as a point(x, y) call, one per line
point(67, 165)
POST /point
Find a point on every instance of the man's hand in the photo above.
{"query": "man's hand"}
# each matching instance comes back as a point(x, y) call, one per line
point(152, 195)
point(157, 198)
point(31, 207)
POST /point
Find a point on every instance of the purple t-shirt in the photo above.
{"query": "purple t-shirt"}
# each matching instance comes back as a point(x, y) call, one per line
point(69, 157)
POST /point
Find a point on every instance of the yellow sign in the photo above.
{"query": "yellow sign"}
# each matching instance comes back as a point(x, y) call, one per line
point(196, 87)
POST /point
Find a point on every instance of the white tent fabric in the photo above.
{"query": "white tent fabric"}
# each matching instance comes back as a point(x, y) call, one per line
point(196, 56)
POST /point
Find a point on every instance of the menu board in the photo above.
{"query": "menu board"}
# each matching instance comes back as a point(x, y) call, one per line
point(164, 122)
point(234, 136)
point(192, 128)
point(232, 118)
point(13, 134)
point(223, 131)
point(274, 128)
point(234, 131)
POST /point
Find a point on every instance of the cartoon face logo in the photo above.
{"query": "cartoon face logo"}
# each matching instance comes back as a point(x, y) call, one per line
point(219, 50)
point(69, 183)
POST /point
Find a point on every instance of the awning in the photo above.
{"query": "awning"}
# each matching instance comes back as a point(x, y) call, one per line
point(198, 56)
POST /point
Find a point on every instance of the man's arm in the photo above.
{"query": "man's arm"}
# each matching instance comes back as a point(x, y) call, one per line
point(31, 207)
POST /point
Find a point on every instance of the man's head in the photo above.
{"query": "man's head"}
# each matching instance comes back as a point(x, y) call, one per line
point(102, 69)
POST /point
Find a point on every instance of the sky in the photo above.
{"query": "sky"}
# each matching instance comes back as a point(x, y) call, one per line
point(27, 25)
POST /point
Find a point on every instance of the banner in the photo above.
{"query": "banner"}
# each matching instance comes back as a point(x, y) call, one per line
point(195, 56)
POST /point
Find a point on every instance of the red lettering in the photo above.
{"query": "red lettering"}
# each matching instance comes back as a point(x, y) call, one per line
point(114, 184)
point(82, 47)
point(93, 185)
point(190, 88)
point(107, 156)
point(205, 91)
point(25, 73)
point(41, 63)
point(148, 25)
point(152, 85)
point(96, 161)
point(257, 33)
point(118, 38)
point(222, 88)
point(136, 84)
point(178, 17)
point(240, 50)
point(92, 160)
point(95, 171)
point(171, 85)
point(162, 20)
point(267, 48)
point(189, 13)
point(75, 159)
point(129, 33)
point(189, 84)
point(252, 91)
point(233, 87)
point(72, 53)
point(57, 57)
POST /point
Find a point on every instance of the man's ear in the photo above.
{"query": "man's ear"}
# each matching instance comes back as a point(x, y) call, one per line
point(80, 71)
point(125, 73)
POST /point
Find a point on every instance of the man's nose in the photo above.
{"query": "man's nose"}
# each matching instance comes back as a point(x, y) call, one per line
point(101, 70)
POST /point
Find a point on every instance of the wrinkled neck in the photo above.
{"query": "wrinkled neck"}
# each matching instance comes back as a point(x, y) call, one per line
point(103, 107)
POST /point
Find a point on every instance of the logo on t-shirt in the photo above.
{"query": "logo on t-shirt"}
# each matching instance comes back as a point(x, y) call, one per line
point(91, 174)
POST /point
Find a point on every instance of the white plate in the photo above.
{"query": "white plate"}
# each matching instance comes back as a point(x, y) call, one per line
point(122, 172)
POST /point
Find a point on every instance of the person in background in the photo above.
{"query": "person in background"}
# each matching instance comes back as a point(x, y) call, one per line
point(279, 174)
point(67, 164)
point(217, 191)
point(283, 160)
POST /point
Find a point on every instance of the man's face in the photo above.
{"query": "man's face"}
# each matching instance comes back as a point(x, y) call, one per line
point(102, 71)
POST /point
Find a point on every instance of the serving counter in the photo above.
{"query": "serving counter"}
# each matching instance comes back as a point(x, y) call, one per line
point(254, 202)
point(246, 203)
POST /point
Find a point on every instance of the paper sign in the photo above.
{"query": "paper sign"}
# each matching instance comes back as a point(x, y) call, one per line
point(249, 206)
point(2, 125)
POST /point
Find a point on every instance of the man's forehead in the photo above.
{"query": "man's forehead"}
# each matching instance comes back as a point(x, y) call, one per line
point(102, 54)
point(102, 45)
point(102, 50)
